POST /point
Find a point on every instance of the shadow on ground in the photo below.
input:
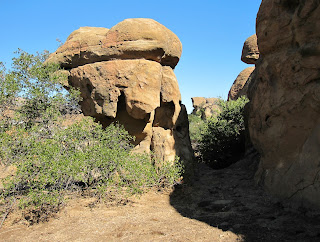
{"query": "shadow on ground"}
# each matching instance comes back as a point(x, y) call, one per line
point(230, 200)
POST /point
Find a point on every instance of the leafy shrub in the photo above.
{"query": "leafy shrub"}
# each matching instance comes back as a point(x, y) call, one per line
point(196, 128)
point(222, 142)
point(83, 157)
point(53, 161)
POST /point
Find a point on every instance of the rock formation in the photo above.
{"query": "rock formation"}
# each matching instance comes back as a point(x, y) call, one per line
point(250, 50)
point(284, 111)
point(206, 107)
point(125, 74)
point(250, 55)
point(239, 87)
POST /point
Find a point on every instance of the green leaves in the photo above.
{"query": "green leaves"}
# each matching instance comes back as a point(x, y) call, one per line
point(81, 157)
point(222, 142)
point(54, 160)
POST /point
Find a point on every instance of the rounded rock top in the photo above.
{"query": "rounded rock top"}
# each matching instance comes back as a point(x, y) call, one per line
point(137, 38)
point(250, 51)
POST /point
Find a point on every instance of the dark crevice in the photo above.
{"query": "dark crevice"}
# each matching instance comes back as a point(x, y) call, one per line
point(290, 5)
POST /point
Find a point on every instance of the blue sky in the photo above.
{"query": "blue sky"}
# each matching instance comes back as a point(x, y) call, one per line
point(212, 33)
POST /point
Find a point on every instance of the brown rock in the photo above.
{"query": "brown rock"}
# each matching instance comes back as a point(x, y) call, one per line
point(239, 87)
point(125, 75)
point(163, 144)
point(206, 107)
point(250, 51)
point(284, 111)
point(130, 39)
point(146, 38)
point(198, 101)
point(83, 46)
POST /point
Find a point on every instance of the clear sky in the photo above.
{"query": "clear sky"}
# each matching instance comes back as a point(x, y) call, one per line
point(212, 33)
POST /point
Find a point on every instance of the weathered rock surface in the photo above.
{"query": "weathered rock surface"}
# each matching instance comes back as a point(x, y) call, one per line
point(207, 107)
point(284, 112)
point(250, 50)
point(125, 74)
point(239, 87)
point(130, 39)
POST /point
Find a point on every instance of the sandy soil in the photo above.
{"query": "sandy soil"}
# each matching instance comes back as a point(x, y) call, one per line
point(150, 218)
point(221, 205)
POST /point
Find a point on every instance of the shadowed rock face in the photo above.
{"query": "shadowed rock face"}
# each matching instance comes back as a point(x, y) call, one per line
point(125, 74)
point(250, 50)
point(284, 111)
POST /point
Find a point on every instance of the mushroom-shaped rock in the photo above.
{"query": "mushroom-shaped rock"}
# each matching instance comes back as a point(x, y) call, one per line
point(250, 51)
point(130, 39)
point(125, 75)
point(239, 87)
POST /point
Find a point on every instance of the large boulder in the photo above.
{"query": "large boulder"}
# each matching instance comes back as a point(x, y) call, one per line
point(239, 87)
point(205, 107)
point(125, 75)
point(284, 111)
point(130, 39)
point(250, 50)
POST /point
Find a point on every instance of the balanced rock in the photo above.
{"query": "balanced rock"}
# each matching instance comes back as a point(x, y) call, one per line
point(125, 75)
point(284, 111)
point(250, 50)
point(239, 87)
point(130, 39)
point(206, 107)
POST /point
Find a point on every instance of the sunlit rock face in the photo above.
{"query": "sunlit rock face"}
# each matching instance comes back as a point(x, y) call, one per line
point(284, 110)
point(240, 85)
point(125, 74)
point(206, 107)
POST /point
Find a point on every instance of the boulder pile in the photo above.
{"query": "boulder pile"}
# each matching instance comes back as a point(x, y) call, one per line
point(125, 74)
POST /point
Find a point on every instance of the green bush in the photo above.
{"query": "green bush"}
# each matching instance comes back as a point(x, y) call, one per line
point(82, 157)
point(222, 142)
point(54, 161)
point(196, 128)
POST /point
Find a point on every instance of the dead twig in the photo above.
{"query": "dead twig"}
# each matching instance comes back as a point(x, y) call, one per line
point(6, 214)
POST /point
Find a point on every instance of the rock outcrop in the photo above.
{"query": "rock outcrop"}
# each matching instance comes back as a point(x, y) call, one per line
point(130, 39)
point(250, 50)
point(284, 111)
point(125, 74)
point(250, 55)
point(239, 87)
point(206, 107)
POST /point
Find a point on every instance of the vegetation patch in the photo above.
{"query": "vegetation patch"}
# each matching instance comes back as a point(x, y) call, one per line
point(220, 141)
point(54, 161)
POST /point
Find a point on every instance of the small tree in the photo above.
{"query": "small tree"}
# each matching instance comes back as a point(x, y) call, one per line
point(222, 142)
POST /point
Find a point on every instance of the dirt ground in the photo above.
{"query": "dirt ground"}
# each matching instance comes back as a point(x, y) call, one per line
point(221, 205)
